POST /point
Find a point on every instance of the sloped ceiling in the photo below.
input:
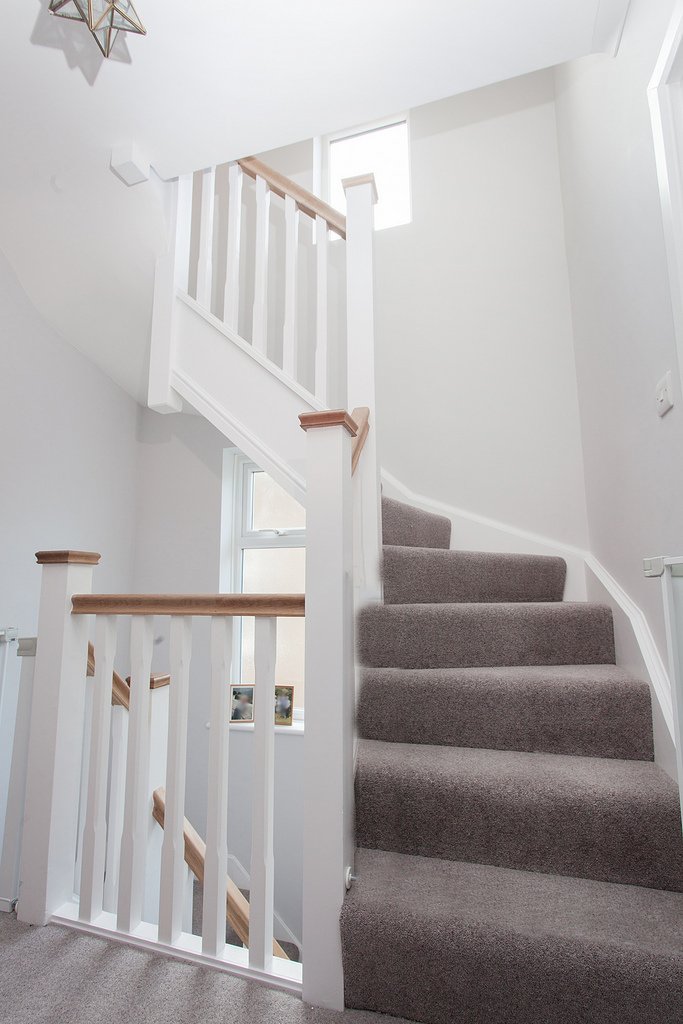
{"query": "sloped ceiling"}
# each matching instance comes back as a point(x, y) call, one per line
point(214, 80)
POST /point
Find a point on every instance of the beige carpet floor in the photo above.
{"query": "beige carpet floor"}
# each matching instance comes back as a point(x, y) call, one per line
point(54, 975)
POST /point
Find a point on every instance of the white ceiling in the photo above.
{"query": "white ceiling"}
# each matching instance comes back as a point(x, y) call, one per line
point(214, 80)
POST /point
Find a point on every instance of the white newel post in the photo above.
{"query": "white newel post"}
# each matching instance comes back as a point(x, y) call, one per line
point(172, 271)
point(361, 196)
point(328, 774)
point(56, 738)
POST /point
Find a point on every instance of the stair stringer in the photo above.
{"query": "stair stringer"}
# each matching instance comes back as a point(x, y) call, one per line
point(242, 393)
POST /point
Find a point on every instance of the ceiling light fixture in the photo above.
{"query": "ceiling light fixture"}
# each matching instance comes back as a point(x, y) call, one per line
point(104, 18)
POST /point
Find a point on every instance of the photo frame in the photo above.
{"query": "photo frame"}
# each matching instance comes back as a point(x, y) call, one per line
point(242, 703)
point(284, 705)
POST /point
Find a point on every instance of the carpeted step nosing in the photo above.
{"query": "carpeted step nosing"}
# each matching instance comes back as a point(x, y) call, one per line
point(501, 945)
point(592, 710)
point(416, 575)
point(611, 820)
point(472, 635)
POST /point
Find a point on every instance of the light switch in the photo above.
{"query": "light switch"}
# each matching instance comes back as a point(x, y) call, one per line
point(664, 394)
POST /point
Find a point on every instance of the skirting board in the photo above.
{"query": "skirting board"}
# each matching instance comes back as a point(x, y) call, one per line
point(476, 532)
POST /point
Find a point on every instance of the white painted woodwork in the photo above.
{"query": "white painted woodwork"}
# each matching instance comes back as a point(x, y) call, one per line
point(137, 805)
point(321, 313)
point(216, 862)
point(16, 792)
point(85, 768)
point(259, 336)
point(262, 869)
point(93, 852)
point(231, 296)
point(361, 196)
point(171, 272)
point(55, 745)
point(117, 796)
point(329, 670)
point(172, 887)
point(205, 260)
point(290, 332)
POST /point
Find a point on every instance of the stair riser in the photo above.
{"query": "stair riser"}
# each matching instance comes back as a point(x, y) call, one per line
point(495, 821)
point(411, 527)
point(467, 973)
point(452, 636)
point(587, 720)
point(421, 576)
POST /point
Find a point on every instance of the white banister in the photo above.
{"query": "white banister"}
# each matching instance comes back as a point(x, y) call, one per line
point(361, 195)
point(328, 765)
point(259, 337)
point(290, 335)
point(205, 261)
point(55, 743)
point(216, 863)
point(16, 792)
point(232, 274)
point(321, 301)
point(137, 802)
point(262, 878)
point(95, 825)
point(172, 885)
point(117, 797)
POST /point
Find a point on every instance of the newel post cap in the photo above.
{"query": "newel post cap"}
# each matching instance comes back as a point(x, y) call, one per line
point(328, 418)
point(67, 557)
point(361, 179)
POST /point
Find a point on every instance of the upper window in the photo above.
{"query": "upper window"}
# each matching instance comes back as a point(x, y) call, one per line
point(384, 152)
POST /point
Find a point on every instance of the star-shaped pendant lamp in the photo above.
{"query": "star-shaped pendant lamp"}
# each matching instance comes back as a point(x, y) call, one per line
point(104, 18)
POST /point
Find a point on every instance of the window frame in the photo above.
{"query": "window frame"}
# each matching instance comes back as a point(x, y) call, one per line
point(365, 129)
point(238, 479)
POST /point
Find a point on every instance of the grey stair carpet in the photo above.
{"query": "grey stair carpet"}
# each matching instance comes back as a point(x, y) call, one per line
point(447, 942)
point(521, 857)
point(610, 820)
point(402, 524)
point(591, 710)
point(423, 575)
point(471, 635)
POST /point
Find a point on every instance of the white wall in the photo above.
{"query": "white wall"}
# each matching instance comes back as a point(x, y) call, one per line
point(621, 307)
point(477, 399)
point(68, 458)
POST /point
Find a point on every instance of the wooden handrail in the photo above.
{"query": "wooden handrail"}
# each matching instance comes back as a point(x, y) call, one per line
point(271, 605)
point(237, 905)
point(361, 417)
point(305, 200)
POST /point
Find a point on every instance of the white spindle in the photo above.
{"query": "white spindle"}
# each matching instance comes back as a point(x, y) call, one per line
point(261, 895)
point(205, 263)
point(290, 335)
point(321, 258)
point(328, 755)
point(172, 886)
point(95, 826)
point(182, 221)
point(232, 274)
point(117, 796)
point(216, 862)
point(85, 771)
point(260, 320)
point(138, 799)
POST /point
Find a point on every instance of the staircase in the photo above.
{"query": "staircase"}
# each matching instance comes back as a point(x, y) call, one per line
point(520, 854)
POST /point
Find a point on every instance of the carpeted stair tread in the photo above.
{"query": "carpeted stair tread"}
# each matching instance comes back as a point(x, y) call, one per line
point(611, 820)
point(475, 943)
point(473, 635)
point(422, 575)
point(589, 710)
point(408, 526)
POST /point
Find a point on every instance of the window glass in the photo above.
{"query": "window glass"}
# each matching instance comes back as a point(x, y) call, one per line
point(384, 152)
point(272, 507)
